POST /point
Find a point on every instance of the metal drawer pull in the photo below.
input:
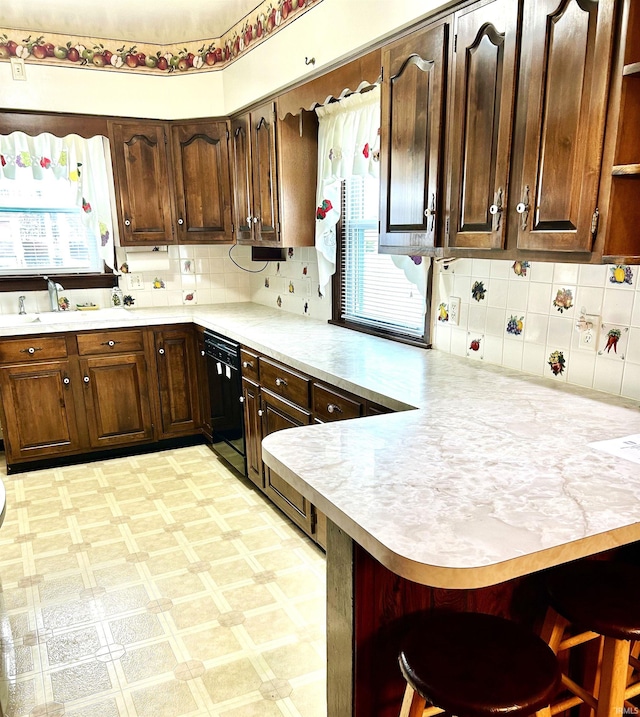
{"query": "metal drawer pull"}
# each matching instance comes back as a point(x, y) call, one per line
point(161, 352)
point(110, 343)
point(201, 353)
point(260, 412)
point(180, 221)
point(127, 222)
point(66, 380)
point(86, 379)
point(241, 399)
point(247, 364)
point(31, 350)
point(281, 382)
point(333, 408)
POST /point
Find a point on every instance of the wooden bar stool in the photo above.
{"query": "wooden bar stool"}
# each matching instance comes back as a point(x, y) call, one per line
point(476, 665)
point(592, 599)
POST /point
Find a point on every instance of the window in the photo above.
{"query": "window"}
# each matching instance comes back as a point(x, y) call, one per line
point(376, 292)
point(41, 230)
point(55, 205)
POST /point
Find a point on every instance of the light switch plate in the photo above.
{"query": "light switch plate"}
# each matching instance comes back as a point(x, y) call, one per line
point(136, 282)
point(454, 310)
point(17, 69)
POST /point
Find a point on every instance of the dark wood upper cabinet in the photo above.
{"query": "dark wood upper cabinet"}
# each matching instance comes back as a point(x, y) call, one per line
point(241, 178)
point(202, 182)
point(411, 141)
point(560, 119)
point(265, 173)
point(484, 64)
point(172, 182)
point(274, 165)
point(142, 182)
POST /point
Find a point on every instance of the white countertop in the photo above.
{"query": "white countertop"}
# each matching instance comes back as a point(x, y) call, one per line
point(491, 477)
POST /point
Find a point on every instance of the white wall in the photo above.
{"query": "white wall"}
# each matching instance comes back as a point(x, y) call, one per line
point(332, 30)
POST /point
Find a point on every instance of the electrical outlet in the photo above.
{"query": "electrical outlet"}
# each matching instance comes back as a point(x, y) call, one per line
point(588, 338)
point(454, 310)
point(135, 282)
point(17, 69)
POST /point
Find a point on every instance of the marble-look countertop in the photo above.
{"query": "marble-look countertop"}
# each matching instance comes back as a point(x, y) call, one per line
point(489, 478)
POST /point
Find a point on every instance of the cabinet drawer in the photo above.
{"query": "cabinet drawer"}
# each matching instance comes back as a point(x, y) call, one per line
point(33, 348)
point(249, 363)
point(284, 382)
point(331, 406)
point(108, 342)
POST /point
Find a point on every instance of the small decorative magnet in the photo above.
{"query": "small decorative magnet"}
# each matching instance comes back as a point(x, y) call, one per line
point(621, 274)
point(443, 312)
point(557, 362)
point(564, 300)
point(478, 291)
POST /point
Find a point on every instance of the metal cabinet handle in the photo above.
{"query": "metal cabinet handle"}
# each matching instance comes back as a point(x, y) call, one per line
point(241, 399)
point(66, 380)
point(256, 220)
point(202, 353)
point(31, 350)
point(523, 208)
point(247, 364)
point(161, 352)
point(260, 412)
point(281, 382)
point(496, 208)
point(431, 212)
point(111, 343)
point(249, 220)
point(127, 222)
point(181, 221)
point(86, 379)
point(333, 408)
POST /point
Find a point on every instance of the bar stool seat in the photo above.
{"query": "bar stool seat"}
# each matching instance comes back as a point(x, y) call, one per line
point(593, 599)
point(476, 665)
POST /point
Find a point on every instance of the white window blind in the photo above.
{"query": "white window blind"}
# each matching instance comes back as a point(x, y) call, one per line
point(375, 292)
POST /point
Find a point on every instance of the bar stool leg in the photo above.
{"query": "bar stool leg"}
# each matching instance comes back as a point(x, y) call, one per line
point(613, 680)
point(412, 704)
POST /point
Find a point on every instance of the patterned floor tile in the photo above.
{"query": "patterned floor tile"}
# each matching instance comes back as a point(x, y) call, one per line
point(158, 585)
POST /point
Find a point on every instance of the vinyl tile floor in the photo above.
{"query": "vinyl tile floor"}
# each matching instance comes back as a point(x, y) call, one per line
point(158, 585)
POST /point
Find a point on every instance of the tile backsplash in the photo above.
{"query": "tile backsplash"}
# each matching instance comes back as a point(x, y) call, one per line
point(571, 322)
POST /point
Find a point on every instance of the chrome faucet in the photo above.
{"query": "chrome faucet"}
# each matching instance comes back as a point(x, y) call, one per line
point(21, 309)
point(53, 288)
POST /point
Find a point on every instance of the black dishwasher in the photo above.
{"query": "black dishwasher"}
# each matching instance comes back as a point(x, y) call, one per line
point(225, 393)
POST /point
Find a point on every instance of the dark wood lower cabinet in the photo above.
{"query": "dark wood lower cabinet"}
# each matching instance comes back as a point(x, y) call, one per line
point(278, 415)
point(39, 411)
point(116, 400)
point(253, 432)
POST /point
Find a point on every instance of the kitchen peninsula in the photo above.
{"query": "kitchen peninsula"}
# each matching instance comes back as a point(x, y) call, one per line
point(482, 476)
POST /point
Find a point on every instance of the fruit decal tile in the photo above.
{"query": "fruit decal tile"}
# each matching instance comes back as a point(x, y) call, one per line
point(621, 274)
point(158, 283)
point(613, 341)
point(515, 325)
point(111, 54)
point(189, 297)
point(520, 268)
point(564, 299)
point(478, 291)
point(443, 312)
point(475, 345)
point(557, 363)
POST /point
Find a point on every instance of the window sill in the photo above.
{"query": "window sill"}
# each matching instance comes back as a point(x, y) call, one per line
point(420, 343)
point(68, 281)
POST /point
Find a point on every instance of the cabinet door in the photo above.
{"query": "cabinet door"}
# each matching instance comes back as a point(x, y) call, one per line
point(253, 431)
point(484, 78)
point(203, 385)
point(242, 179)
point(142, 183)
point(39, 410)
point(176, 372)
point(278, 415)
point(411, 141)
point(565, 59)
point(202, 180)
point(265, 176)
point(116, 399)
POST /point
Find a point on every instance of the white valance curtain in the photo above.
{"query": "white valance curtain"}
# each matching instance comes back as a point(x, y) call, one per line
point(348, 144)
point(81, 163)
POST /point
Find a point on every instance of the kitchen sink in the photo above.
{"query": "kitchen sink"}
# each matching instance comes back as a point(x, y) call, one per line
point(67, 317)
point(17, 319)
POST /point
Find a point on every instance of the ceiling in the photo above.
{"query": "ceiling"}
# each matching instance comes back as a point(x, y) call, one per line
point(141, 21)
